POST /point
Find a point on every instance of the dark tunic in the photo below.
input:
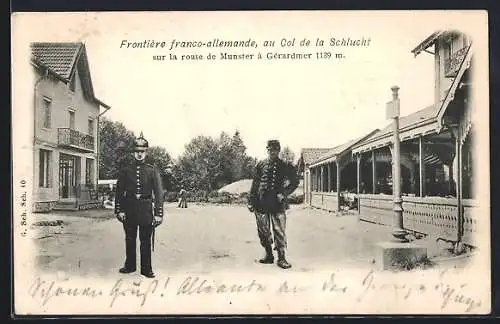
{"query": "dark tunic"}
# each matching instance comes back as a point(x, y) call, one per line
point(138, 189)
point(269, 180)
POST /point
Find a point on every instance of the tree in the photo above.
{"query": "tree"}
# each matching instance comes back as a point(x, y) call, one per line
point(115, 146)
point(226, 158)
point(159, 157)
point(242, 164)
point(200, 166)
point(287, 155)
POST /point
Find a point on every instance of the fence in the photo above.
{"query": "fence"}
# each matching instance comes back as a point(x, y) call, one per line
point(434, 216)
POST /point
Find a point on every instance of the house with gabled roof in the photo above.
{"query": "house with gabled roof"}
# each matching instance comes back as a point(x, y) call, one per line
point(308, 156)
point(66, 127)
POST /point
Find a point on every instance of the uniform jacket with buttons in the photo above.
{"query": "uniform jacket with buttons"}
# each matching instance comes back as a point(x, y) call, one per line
point(138, 189)
point(269, 180)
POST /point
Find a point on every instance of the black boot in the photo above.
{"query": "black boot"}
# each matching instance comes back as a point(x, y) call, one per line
point(282, 262)
point(148, 273)
point(126, 270)
point(269, 258)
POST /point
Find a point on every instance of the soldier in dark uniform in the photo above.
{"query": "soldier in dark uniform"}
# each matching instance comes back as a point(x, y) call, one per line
point(267, 200)
point(139, 206)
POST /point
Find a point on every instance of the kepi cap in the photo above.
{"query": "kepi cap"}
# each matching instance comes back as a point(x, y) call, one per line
point(273, 143)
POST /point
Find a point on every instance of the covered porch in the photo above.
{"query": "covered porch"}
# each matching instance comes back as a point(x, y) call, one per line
point(437, 159)
point(333, 178)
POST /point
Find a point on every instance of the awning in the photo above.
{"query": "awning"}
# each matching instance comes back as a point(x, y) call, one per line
point(426, 43)
point(325, 161)
point(404, 135)
point(456, 81)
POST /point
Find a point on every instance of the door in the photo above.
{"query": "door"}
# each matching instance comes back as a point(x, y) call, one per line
point(68, 176)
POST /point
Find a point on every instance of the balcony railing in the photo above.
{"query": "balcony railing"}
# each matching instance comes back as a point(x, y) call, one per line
point(71, 138)
point(452, 64)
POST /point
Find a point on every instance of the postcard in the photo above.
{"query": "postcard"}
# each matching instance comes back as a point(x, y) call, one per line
point(251, 162)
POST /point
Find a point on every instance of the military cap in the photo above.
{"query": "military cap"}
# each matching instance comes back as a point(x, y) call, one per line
point(141, 144)
point(273, 144)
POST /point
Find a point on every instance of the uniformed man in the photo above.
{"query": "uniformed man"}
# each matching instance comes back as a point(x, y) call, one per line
point(267, 200)
point(139, 206)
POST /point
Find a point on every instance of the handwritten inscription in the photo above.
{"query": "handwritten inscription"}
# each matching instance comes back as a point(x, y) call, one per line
point(197, 286)
point(371, 286)
point(46, 290)
point(449, 294)
point(141, 290)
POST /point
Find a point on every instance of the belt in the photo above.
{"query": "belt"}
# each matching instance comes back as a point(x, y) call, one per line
point(145, 197)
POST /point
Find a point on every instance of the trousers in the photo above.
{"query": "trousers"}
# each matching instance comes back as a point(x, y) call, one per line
point(145, 234)
point(278, 223)
point(182, 203)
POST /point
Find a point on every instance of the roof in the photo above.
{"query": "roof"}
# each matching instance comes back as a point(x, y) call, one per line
point(418, 123)
point(426, 43)
point(310, 155)
point(431, 39)
point(62, 59)
point(331, 154)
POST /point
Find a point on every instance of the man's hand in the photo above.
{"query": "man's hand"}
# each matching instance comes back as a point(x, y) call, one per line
point(280, 197)
point(121, 216)
point(250, 208)
point(157, 220)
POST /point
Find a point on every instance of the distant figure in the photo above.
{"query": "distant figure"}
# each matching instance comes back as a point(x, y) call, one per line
point(182, 199)
point(267, 200)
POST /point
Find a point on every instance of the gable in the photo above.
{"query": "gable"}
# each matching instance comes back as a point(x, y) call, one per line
point(63, 60)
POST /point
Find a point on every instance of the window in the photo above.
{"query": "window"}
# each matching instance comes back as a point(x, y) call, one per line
point(44, 169)
point(447, 50)
point(72, 119)
point(89, 171)
point(91, 127)
point(47, 103)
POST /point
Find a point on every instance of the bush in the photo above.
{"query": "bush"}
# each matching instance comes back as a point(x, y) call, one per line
point(222, 199)
point(213, 194)
point(171, 196)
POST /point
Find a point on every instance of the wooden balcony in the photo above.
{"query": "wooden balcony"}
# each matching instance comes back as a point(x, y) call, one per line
point(452, 65)
point(71, 138)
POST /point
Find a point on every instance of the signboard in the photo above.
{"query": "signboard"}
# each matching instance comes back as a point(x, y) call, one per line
point(392, 109)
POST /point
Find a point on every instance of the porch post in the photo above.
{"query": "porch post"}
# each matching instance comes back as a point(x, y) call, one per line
point(359, 180)
point(322, 178)
point(313, 179)
point(338, 185)
point(374, 173)
point(458, 182)
point(421, 165)
point(358, 158)
point(328, 177)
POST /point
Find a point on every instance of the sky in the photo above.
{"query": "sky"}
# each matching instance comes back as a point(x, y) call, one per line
point(303, 103)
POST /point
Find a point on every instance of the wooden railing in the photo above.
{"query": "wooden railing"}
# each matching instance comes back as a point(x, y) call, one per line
point(71, 138)
point(433, 216)
point(324, 200)
point(452, 64)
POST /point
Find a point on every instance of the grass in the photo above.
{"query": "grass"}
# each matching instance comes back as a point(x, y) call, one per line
point(407, 264)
